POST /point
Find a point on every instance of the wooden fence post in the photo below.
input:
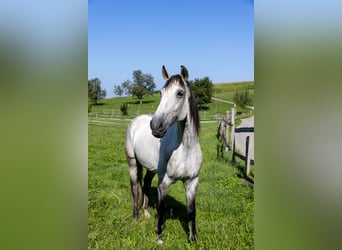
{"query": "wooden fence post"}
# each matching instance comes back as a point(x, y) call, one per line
point(227, 128)
point(248, 157)
point(233, 134)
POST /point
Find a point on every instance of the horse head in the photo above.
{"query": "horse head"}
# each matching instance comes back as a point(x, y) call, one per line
point(174, 103)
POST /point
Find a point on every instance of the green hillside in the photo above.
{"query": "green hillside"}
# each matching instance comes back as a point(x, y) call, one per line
point(226, 91)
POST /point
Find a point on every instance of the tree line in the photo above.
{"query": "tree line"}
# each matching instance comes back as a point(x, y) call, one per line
point(142, 85)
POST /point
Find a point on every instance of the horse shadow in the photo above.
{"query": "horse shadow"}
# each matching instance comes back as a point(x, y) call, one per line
point(100, 104)
point(174, 210)
point(242, 175)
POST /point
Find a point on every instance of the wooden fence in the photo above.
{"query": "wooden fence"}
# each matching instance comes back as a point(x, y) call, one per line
point(226, 133)
point(114, 116)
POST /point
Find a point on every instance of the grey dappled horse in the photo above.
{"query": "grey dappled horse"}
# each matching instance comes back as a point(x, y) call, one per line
point(166, 144)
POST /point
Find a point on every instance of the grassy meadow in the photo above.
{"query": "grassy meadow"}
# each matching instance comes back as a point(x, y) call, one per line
point(224, 203)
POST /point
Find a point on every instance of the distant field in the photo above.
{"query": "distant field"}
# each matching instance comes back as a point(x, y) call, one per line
point(226, 91)
point(232, 86)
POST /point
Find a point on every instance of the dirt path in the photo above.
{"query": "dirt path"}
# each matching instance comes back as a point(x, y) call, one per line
point(240, 138)
point(230, 102)
point(220, 100)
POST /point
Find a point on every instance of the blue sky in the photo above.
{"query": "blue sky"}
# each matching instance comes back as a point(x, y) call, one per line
point(211, 38)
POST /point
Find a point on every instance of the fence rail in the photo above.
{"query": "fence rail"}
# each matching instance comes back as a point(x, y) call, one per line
point(112, 116)
point(117, 114)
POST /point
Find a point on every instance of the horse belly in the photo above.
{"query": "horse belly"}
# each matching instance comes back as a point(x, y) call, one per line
point(147, 155)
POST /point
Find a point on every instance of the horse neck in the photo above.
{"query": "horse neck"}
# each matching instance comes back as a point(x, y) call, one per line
point(187, 132)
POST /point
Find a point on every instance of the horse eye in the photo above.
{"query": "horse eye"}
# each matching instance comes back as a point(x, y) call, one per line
point(180, 94)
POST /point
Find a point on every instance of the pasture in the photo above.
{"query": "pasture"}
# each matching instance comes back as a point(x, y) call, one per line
point(224, 203)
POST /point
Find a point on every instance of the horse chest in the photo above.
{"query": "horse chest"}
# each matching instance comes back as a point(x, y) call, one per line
point(183, 164)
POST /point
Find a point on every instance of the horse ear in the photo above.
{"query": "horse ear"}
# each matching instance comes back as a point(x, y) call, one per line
point(165, 74)
point(184, 73)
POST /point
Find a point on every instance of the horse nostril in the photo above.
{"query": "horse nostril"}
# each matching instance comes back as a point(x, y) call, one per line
point(157, 125)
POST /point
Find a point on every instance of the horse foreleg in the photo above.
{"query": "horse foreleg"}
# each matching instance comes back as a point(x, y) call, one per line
point(162, 194)
point(190, 189)
point(146, 189)
point(135, 173)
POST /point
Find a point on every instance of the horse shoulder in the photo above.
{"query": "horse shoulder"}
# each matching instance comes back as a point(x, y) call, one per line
point(145, 145)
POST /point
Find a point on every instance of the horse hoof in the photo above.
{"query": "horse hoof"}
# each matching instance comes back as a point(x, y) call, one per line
point(193, 237)
point(159, 240)
point(147, 214)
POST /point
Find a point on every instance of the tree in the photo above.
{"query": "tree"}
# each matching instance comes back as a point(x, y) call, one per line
point(143, 84)
point(127, 87)
point(124, 88)
point(118, 90)
point(95, 93)
point(203, 90)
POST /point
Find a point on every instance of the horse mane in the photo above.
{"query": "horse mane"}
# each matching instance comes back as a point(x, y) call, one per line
point(194, 115)
point(194, 110)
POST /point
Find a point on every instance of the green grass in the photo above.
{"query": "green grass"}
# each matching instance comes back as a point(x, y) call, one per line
point(224, 202)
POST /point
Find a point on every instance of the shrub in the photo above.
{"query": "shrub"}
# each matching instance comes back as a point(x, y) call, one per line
point(124, 108)
point(242, 98)
point(203, 90)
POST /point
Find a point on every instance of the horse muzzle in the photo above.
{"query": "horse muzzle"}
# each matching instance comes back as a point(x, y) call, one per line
point(158, 127)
